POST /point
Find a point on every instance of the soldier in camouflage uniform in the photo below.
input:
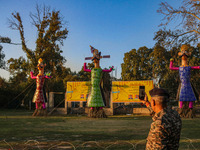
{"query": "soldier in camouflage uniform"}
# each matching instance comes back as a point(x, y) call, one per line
point(166, 126)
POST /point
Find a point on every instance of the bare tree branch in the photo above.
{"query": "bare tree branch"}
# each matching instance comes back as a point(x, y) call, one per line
point(17, 24)
point(186, 30)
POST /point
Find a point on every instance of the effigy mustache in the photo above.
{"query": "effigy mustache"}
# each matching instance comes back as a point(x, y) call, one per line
point(184, 54)
point(40, 66)
point(95, 58)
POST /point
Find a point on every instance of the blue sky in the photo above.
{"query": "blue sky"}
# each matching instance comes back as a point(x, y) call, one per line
point(114, 27)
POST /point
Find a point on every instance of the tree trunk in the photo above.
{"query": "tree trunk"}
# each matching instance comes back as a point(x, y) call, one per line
point(106, 98)
point(97, 112)
point(40, 111)
point(186, 112)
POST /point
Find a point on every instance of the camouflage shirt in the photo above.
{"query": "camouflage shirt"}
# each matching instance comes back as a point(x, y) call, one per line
point(165, 131)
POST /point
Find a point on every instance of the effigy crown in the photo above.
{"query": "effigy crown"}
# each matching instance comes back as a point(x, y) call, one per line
point(40, 60)
point(96, 54)
point(184, 47)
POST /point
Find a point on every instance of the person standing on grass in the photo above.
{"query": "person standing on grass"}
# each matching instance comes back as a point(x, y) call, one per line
point(165, 129)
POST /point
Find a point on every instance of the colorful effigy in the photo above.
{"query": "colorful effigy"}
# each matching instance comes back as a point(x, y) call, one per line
point(95, 100)
point(39, 96)
point(186, 92)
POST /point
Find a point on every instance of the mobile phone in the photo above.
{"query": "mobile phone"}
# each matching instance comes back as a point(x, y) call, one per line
point(141, 92)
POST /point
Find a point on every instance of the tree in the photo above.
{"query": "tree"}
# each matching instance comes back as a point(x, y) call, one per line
point(2, 55)
point(50, 38)
point(130, 66)
point(170, 78)
point(159, 60)
point(106, 85)
point(145, 69)
point(3, 83)
point(148, 64)
point(137, 65)
point(186, 31)
point(51, 32)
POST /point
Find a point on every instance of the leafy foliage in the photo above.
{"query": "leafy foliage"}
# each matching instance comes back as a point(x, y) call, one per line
point(2, 55)
point(159, 58)
point(153, 64)
point(136, 65)
point(130, 67)
point(51, 34)
point(144, 63)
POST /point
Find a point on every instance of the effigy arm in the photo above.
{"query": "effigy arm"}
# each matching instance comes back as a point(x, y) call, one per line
point(111, 68)
point(195, 67)
point(85, 68)
point(48, 77)
point(171, 67)
point(32, 76)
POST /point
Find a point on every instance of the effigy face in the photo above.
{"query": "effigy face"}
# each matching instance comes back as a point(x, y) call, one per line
point(96, 56)
point(184, 53)
point(41, 66)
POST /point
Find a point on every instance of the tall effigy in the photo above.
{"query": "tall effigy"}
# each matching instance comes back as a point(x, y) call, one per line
point(39, 97)
point(186, 93)
point(95, 99)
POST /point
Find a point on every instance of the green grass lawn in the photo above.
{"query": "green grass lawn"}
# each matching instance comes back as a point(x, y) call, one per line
point(19, 130)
